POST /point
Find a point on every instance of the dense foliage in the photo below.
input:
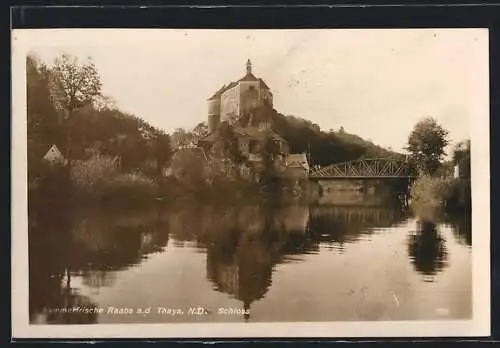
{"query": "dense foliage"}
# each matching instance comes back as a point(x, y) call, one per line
point(439, 188)
point(426, 145)
point(103, 138)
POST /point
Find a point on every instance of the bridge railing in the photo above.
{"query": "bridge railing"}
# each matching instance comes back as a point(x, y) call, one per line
point(376, 168)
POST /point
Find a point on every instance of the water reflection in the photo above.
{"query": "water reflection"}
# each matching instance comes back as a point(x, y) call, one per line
point(86, 243)
point(242, 244)
point(337, 226)
point(51, 296)
point(462, 229)
point(240, 264)
point(427, 249)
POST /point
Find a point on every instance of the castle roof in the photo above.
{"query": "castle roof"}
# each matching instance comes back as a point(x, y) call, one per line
point(263, 84)
point(251, 77)
point(247, 77)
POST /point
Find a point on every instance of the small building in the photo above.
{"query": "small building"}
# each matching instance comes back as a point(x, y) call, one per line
point(54, 156)
point(297, 165)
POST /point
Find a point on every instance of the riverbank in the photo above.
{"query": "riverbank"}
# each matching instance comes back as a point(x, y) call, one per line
point(110, 189)
point(436, 196)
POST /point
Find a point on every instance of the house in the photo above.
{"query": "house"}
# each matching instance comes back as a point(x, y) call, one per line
point(297, 165)
point(54, 156)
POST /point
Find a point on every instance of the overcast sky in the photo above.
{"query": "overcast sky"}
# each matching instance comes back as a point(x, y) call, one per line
point(374, 83)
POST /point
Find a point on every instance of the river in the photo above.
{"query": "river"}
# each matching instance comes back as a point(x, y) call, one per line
point(247, 263)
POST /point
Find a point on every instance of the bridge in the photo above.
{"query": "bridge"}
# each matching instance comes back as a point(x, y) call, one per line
point(377, 168)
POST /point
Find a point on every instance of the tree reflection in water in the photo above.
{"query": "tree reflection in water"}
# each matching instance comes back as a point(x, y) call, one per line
point(427, 250)
point(461, 227)
point(51, 297)
point(338, 226)
point(244, 244)
point(89, 243)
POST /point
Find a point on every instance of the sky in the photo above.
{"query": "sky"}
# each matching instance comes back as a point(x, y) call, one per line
point(375, 83)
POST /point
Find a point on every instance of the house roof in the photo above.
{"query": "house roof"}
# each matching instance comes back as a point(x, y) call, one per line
point(297, 160)
point(53, 150)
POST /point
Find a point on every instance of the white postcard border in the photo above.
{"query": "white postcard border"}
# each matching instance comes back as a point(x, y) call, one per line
point(479, 326)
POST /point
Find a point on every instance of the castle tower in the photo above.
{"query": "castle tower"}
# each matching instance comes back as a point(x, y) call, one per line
point(249, 67)
point(213, 113)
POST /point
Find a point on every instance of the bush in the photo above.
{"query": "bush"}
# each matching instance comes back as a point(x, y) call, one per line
point(90, 177)
point(129, 187)
point(99, 178)
point(429, 195)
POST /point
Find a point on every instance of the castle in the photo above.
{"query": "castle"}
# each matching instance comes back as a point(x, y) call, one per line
point(233, 100)
point(247, 104)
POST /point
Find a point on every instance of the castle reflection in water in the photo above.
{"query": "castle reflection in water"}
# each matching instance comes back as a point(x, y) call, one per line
point(243, 245)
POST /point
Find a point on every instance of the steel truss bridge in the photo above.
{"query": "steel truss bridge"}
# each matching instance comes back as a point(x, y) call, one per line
point(377, 168)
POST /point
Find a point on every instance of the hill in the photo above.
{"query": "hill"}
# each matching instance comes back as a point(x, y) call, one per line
point(323, 147)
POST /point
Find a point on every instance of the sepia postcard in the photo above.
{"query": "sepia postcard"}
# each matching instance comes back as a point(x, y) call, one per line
point(174, 183)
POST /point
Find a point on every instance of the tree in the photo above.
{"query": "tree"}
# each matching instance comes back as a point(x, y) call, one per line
point(200, 130)
point(226, 145)
point(225, 156)
point(163, 154)
point(102, 103)
point(189, 167)
point(269, 152)
point(426, 145)
point(181, 138)
point(42, 119)
point(73, 85)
